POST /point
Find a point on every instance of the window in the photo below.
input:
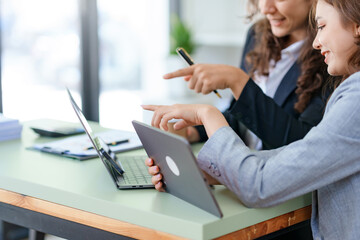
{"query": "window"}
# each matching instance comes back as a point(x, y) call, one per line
point(40, 56)
point(133, 38)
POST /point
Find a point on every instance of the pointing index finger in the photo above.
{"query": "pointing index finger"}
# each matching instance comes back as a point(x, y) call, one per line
point(150, 107)
point(180, 73)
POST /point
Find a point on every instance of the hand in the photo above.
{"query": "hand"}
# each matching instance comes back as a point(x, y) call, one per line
point(205, 78)
point(156, 178)
point(192, 135)
point(190, 115)
point(210, 179)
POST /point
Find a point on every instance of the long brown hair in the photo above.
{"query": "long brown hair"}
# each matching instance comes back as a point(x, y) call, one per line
point(268, 47)
point(349, 11)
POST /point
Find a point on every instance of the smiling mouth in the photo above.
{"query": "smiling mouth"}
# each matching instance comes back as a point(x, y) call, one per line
point(325, 54)
point(276, 22)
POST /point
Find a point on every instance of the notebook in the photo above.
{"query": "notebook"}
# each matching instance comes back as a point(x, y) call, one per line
point(126, 172)
point(181, 174)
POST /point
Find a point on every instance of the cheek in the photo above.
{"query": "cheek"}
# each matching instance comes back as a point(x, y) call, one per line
point(338, 64)
point(261, 6)
point(343, 45)
point(300, 17)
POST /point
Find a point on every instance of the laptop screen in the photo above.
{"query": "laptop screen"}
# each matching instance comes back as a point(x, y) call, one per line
point(99, 145)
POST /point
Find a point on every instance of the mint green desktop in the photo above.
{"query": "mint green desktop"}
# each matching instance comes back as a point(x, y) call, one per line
point(87, 186)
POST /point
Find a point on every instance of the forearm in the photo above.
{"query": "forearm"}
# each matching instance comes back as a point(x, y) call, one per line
point(235, 124)
point(213, 120)
point(238, 86)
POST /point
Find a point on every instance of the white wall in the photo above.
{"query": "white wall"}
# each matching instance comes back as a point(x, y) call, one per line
point(219, 28)
point(216, 22)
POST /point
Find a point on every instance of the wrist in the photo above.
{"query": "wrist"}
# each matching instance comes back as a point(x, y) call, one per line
point(193, 135)
point(212, 120)
point(238, 85)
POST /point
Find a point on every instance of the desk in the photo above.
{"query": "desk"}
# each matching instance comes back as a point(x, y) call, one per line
point(71, 199)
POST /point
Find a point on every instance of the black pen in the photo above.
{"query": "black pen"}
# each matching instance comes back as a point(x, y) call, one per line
point(182, 53)
point(115, 143)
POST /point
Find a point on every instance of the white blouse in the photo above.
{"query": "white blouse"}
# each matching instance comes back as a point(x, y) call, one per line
point(269, 84)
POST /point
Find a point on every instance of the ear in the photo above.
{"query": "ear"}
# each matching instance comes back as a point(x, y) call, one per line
point(357, 30)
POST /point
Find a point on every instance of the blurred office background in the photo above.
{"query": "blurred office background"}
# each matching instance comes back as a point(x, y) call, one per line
point(110, 53)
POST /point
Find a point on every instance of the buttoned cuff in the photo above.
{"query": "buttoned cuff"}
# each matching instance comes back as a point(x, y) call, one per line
point(212, 153)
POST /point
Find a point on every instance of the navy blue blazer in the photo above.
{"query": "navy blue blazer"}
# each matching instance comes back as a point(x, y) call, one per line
point(274, 121)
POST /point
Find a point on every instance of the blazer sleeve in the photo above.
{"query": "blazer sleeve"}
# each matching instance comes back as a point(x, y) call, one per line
point(329, 153)
point(269, 121)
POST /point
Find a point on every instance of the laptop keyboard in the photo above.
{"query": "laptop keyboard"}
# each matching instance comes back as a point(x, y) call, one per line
point(136, 172)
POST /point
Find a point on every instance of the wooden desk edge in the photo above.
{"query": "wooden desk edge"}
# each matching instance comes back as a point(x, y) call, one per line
point(82, 217)
point(134, 231)
point(271, 225)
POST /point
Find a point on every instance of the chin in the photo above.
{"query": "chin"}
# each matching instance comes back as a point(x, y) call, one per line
point(279, 32)
point(334, 72)
point(331, 71)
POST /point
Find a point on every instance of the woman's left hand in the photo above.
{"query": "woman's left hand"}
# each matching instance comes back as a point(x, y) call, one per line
point(156, 178)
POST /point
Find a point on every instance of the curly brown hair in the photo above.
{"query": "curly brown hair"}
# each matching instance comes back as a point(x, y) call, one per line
point(268, 47)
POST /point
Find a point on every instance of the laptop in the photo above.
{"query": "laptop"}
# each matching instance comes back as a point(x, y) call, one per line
point(126, 172)
point(181, 174)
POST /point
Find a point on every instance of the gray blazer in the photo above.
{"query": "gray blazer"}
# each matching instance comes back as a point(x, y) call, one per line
point(326, 162)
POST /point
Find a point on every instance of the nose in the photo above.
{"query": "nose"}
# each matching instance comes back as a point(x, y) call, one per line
point(317, 43)
point(267, 6)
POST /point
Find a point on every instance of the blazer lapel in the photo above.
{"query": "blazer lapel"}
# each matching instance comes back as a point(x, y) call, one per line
point(288, 84)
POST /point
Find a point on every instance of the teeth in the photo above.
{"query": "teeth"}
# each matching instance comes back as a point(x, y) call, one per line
point(276, 21)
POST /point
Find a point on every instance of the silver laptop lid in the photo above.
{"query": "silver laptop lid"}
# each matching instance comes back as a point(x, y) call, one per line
point(181, 174)
point(83, 121)
point(99, 145)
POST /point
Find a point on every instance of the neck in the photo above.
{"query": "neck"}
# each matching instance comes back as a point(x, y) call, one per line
point(295, 37)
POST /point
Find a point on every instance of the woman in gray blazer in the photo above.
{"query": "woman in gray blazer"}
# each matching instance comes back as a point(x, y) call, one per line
point(325, 162)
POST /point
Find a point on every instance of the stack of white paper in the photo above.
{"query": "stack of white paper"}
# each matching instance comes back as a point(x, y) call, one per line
point(9, 128)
